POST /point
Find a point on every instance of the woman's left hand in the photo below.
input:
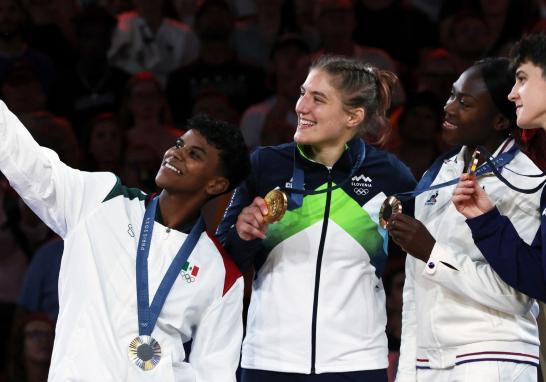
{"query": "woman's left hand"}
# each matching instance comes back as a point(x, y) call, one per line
point(411, 235)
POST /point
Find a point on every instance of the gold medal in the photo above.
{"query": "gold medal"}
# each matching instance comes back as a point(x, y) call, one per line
point(277, 204)
point(390, 206)
point(145, 352)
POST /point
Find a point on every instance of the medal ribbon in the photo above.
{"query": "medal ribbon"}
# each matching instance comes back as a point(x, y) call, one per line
point(148, 314)
point(510, 185)
point(297, 191)
point(424, 184)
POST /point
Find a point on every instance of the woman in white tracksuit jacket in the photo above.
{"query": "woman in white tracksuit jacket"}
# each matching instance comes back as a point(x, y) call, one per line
point(461, 322)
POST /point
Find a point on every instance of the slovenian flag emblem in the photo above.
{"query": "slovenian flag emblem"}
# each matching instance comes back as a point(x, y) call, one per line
point(190, 268)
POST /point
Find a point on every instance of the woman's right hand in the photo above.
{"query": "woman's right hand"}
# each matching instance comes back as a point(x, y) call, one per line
point(250, 222)
point(470, 199)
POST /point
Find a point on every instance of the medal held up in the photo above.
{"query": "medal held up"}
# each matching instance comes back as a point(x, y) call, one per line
point(277, 204)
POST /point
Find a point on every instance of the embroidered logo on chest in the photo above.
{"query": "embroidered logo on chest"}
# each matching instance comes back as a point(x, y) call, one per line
point(544, 212)
point(361, 184)
point(432, 199)
point(189, 272)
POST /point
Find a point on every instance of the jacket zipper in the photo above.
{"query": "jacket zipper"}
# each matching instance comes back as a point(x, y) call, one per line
point(317, 274)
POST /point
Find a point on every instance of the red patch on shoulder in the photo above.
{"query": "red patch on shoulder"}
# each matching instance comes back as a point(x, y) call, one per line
point(232, 271)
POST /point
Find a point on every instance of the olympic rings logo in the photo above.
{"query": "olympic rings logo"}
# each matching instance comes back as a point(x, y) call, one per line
point(361, 191)
point(186, 276)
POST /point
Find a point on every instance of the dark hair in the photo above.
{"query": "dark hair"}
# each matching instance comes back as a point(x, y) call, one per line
point(499, 79)
point(227, 138)
point(498, 75)
point(530, 48)
point(361, 85)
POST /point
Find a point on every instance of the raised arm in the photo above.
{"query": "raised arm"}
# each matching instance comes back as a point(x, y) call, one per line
point(58, 194)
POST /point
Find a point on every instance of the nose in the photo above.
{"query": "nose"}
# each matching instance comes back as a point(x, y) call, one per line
point(448, 107)
point(302, 106)
point(513, 95)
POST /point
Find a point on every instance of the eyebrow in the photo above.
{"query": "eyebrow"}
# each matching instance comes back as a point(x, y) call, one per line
point(461, 94)
point(519, 71)
point(316, 93)
point(198, 148)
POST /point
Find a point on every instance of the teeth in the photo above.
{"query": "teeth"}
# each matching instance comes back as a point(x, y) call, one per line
point(171, 167)
point(305, 122)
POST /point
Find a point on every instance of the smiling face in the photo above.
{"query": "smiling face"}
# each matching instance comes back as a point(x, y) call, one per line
point(470, 114)
point(191, 166)
point(529, 95)
point(322, 120)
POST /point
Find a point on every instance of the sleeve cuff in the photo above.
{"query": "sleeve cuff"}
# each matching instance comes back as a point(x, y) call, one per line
point(484, 225)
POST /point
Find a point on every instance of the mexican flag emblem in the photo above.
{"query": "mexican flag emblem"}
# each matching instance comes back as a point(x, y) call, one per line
point(190, 269)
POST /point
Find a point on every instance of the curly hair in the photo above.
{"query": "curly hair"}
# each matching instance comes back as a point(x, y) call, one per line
point(227, 138)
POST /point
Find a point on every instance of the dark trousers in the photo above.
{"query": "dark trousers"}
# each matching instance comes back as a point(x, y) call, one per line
point(251, 375)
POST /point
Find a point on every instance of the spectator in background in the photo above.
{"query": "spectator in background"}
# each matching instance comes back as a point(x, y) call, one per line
point(217, 68)
point(216, 105)
point(336, 23)
point(185, 10)
point(254, 37)
point(104, 144)
point(30, 349)
point(395, 26)
point(435, 73)
point(50, 29)
point(418, 131)
point(23, 91)
point(39, 290)
point(91, 85)
point(275, 117)
point(506, 20)
point(146, 40)
point(145, 114)
point(467, 39)
point(13, 48)
point(115, 7)
point(140, 163)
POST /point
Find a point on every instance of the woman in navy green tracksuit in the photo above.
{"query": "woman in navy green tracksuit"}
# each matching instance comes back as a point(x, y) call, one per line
point(317, 311)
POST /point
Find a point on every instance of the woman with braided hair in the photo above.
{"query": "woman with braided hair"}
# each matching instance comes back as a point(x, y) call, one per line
point(317, 311)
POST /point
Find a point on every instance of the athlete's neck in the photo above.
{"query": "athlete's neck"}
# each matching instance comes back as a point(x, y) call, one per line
point(327, 155)
point(179, 209)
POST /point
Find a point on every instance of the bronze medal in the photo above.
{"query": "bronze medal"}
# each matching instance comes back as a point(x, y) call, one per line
point(277, 204)
point(473, 165)
point(390, 206)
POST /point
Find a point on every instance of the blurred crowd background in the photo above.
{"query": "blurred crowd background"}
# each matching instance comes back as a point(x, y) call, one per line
point(108, 84)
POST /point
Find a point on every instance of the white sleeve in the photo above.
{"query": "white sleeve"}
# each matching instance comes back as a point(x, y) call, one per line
point(408, 346)
point(216, 345)
point(475, 280)
point(58, 194)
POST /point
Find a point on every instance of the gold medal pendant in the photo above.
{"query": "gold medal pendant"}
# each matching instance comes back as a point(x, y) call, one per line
point(390, 206)
point(145, 352)
point(277, 204)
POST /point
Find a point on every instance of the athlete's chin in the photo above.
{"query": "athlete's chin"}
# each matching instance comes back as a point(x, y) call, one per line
point(301, 138)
